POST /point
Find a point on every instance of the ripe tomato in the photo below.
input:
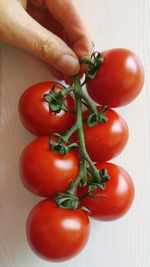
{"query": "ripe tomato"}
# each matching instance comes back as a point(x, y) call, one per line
point(105, 141)
point(44, 172)
point(36, 115)
point(119, 79)
point(56, 234)
point(119, 194)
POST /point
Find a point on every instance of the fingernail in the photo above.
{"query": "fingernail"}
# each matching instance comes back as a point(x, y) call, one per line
point(69, 65)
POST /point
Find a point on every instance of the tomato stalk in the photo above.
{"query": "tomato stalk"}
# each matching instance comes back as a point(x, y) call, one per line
point(90, 193)
point(82, 148)
point(83, 153)
point(65, 137)
point(90, 106)
point(91, 176)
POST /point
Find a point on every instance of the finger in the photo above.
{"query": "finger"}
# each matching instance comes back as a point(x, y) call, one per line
point(23, 3)
point(24, 32)
point(36, 13)
point(39, 3)
point(70, 16)
point(45, 19)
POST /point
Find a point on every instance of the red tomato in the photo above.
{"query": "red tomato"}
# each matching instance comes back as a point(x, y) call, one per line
point(56, 234)
point(105, 141)
point(119, 79)
point(36, 115)
point(119, 194)
point(44, 172)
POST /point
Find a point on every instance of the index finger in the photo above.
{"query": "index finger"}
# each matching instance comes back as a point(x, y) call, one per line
point(68, 13)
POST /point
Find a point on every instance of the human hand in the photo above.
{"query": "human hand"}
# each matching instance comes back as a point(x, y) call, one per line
point(54, 31)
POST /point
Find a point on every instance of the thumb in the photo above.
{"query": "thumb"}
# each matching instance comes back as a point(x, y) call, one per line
point(20, 30)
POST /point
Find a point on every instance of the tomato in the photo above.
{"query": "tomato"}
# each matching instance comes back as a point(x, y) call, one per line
point(56, 234)
point(105, 141)
point(119, 79)
point(36, 115)
point(118, 194)
point(44, 172)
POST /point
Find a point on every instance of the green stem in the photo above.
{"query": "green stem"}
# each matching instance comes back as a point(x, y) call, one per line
point(87, 194)
point(69, 89)
point(88, 174)
point(87, 60)
point(91, 107)
point(68, 133)
point(82, 176)
point(65, 91)
point(95, 170)
point(78, 96)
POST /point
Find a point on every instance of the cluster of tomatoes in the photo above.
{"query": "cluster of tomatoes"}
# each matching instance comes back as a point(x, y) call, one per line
point(54, 232)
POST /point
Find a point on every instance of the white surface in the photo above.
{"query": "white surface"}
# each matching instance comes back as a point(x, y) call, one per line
point(123, 243)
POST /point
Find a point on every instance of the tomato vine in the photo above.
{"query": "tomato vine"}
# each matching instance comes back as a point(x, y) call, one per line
point(68, 162)
point(87, 175)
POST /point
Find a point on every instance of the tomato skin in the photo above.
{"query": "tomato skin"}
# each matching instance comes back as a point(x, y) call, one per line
point(36, 115)
point(119, 191)
point(119, 79)
point(56, 234)
point(44, 172)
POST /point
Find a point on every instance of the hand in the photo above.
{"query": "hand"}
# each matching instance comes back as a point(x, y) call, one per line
point(54, 31)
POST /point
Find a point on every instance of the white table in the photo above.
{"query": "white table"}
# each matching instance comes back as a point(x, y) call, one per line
point(123, 243)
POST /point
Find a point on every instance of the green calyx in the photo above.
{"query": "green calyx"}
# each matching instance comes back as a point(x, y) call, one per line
point(97, 181)
point(94, 62)
point(66, 201)
point(97, 117)
point(56, 100)
point(61, 147)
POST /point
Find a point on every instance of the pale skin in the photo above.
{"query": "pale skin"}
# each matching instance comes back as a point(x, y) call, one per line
point(52, 30)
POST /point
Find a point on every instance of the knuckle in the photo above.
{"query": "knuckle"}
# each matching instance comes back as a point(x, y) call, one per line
point(48, 50)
